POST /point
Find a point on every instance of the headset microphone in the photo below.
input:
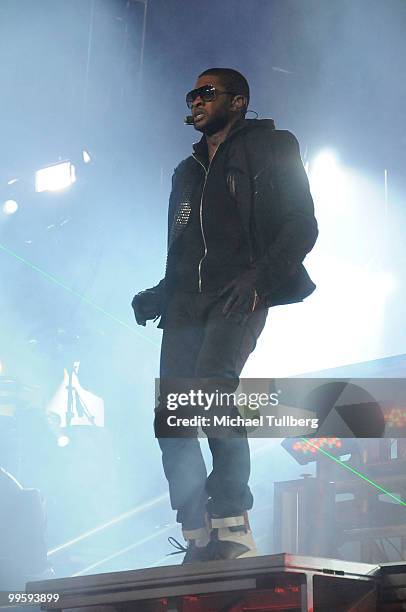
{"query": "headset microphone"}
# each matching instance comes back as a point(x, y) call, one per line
point(189, 120)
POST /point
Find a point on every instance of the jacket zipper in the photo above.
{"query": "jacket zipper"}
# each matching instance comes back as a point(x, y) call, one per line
point(206, 173)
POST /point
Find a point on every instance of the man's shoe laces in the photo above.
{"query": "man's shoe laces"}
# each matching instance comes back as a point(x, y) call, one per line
point(176, 544)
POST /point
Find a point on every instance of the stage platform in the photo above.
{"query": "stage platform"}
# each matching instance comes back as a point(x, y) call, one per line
point(260, 584)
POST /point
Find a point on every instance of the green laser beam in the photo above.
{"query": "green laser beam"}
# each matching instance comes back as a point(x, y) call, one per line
point(354, 471)
point(82, 297)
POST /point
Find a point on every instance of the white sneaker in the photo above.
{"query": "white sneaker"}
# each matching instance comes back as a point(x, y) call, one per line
point(231, 538)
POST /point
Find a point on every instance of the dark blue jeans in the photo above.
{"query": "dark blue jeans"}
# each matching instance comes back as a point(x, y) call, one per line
point(199, 341)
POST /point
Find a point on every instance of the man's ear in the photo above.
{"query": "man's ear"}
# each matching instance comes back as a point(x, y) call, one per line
point(238, 103)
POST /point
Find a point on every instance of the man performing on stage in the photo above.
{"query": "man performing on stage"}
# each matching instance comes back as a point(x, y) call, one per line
point(241, 221)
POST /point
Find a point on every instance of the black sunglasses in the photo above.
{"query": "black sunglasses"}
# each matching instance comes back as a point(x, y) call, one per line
point(207, 93)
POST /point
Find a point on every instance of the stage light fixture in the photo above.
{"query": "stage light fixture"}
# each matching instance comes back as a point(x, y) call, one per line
point(55, 177)
point(10, 207)
point(324, 163)
point(63, 441)
point(86, 157)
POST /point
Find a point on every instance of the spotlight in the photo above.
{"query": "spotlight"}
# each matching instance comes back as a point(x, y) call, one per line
point(63, 441)
point(56, 177)
point(10, 207)
point(327, 178)
point(86, 157)
point(324, 163)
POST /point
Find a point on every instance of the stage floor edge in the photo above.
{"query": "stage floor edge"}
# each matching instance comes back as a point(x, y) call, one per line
point(292, 579)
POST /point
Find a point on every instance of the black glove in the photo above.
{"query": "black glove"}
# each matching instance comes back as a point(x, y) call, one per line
point(243, 297)
point(147, 305)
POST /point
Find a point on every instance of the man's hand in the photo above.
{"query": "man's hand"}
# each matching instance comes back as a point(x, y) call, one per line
point(147, 305)
point(243, 297)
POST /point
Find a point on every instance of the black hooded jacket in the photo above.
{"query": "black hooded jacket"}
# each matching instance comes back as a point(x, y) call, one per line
point(265, 178)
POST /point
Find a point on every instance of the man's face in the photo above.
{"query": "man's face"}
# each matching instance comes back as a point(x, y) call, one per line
point(211, 117)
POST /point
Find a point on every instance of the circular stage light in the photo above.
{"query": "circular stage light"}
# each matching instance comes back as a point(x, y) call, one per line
point(63, 441)
point(10, 207)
